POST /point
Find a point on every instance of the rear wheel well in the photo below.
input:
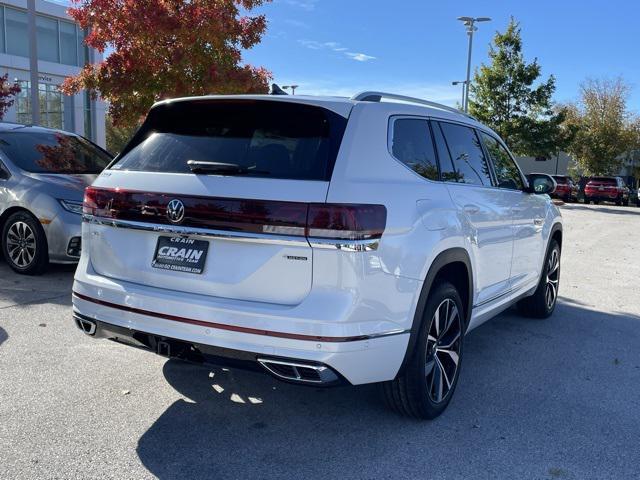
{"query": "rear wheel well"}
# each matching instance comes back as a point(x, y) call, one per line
point(452, 266)
point(455, 273)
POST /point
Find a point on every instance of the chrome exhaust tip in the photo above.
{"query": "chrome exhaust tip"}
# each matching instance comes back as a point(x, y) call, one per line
point(296, 371)
point(86, 325)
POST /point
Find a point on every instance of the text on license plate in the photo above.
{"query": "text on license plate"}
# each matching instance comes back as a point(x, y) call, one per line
point(180, 254)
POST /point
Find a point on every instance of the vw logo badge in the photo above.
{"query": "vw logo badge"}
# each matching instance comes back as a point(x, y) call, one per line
point(175, 211)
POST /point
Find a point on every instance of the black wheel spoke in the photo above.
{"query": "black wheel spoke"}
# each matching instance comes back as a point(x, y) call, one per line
point(443, 350)
point(21, 244)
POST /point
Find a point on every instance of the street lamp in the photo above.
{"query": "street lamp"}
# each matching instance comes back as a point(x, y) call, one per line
point(464, 88)
point(470, 24)
point(292, 87)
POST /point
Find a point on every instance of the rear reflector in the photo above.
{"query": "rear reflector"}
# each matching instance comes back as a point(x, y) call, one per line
point(318, 220)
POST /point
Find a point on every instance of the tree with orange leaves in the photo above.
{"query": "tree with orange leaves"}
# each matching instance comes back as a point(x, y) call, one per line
point(165, 49)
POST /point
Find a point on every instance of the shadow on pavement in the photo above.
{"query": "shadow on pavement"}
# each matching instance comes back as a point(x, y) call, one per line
point(54, 286)
point(630, 210)
point(3, 336)
point(533, 397)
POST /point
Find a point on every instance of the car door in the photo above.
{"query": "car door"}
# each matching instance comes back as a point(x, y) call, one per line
point(528, 214)
point(483, 210)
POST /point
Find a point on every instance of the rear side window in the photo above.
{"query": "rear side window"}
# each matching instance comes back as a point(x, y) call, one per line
point(466, 153)
point(411, 144)
point(506, 171)
point(266, 138)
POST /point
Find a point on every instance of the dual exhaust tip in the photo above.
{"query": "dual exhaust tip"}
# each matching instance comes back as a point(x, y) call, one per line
point(86, 325)
point(299, 372)
point(292, 371)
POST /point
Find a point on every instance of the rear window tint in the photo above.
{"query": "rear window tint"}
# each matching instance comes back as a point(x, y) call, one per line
point(561, 180)
point(265, 138)
point(604, 180)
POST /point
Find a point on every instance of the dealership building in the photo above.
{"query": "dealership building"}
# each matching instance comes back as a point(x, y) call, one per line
point(61, 52)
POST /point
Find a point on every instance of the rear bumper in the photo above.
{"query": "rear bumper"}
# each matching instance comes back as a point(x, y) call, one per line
point(602, 196)
point(363, 352)
point(321, 375)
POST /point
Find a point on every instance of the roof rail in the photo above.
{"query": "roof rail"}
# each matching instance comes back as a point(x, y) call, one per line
point(378, 96)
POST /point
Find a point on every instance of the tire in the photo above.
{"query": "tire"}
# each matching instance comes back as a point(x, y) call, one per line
point(24, 244)
point(543, 302)
point(425, 387)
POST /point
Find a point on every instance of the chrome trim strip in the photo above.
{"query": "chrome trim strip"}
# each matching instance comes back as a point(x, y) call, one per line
point(202, 232)
point(324, 243)
point(346, 245)
point(495, 297)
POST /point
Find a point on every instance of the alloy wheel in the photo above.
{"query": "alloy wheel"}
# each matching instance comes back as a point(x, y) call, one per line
point(553, 278)
point(21, 244)
point(444, 342)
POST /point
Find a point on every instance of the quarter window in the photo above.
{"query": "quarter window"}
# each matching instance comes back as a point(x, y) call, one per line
point(469, 161)
point(411, 144)
point(507, 172)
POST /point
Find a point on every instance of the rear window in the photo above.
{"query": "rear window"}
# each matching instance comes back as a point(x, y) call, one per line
point(604, 180)
point(52, 152)
point(266, 138)
point(561, 180)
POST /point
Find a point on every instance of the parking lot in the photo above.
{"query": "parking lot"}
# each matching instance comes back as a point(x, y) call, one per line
point(558, 398)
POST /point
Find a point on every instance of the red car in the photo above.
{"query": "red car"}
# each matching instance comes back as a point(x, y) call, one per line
point(566, 189)
point(610, 189)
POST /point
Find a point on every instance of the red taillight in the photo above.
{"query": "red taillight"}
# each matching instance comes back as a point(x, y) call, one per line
point(97, 201)
point(318, 220)
point(346, 222)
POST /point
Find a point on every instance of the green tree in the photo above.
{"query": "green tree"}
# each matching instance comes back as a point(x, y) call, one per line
point(118, 136)
point(506, 97)
point(605, 129)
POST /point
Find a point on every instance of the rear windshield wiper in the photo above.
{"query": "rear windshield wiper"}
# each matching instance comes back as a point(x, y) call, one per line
point(200, 166)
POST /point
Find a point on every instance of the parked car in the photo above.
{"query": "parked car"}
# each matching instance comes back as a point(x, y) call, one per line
point(611, 189)
point(566, 189)
point(322, 240)
point(43, 174)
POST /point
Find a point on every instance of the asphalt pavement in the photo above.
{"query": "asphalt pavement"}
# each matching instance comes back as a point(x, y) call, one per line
point(551, 399)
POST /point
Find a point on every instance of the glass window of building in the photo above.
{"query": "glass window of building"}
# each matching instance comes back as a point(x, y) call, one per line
point(68, 44)
point(47, 39)
point(51, 105)
point(83, 53)
point(88, 114)
point(23, 103)
point(2, 30)
point(16, 32)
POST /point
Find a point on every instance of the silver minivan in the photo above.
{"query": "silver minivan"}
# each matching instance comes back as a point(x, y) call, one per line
point(43, 174)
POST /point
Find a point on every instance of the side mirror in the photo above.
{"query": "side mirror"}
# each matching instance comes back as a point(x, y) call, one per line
point(541, 184)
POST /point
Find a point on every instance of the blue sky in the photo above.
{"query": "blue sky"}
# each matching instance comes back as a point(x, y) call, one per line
point(417, 47)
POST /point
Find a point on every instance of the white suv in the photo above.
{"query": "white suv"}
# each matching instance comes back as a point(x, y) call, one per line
point(322, 240)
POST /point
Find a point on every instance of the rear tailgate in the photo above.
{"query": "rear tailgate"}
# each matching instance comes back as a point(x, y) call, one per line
point(238, 236)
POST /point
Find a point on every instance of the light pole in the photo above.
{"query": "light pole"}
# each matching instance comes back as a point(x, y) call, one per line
point(464, 89)
point(292, 87)
point(470, 23)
